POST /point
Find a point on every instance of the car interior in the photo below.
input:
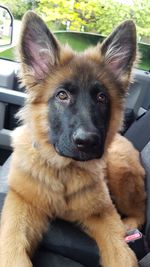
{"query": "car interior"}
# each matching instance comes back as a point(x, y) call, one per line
point(66, 244)
point(66, 239)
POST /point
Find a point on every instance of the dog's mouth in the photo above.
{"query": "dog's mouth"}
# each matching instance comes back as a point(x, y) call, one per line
point(79, 155)
point(86, 157)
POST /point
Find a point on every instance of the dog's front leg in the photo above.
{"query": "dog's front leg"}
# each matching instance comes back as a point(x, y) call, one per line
point(21, 228)
point(108, 231)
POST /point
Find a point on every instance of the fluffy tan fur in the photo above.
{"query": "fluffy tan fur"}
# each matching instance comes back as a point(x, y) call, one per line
point(43, 185)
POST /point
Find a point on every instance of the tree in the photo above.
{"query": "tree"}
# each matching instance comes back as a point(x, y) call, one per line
point(112, 12)
point(96, 15)
point(19, 7)
point(108, 14)
point(141, 16)
point(57, 12)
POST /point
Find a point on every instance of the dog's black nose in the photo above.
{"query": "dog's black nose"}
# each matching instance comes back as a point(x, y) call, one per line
point(85, 140)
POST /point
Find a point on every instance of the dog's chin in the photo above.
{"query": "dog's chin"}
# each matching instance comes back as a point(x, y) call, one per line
point(79, 155)
point(85, 157)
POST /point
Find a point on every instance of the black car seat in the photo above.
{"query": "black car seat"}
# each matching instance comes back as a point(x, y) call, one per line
point(66, 245)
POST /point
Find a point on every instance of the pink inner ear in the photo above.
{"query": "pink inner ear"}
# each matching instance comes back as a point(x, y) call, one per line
point(117, 59)
point(116, 66)
point(40, 60)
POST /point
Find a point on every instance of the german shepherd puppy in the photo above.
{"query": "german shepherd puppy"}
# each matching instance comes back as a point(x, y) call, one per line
point(68, 159)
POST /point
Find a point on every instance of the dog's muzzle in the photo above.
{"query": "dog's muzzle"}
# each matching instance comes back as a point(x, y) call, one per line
point(83, 145)
point(86, 141)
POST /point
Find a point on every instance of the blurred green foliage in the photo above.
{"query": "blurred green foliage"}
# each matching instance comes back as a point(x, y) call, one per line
point(99, 16)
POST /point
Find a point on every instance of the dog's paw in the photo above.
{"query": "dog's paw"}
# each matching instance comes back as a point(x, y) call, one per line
point(117, 257)
point(128, 258)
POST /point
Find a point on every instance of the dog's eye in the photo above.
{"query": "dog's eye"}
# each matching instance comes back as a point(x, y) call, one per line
point(101, 97)
point(62, 95)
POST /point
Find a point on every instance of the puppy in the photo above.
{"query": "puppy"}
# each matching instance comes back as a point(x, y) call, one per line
point(62, 164)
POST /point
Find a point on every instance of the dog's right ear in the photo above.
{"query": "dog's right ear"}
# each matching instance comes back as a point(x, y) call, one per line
point(38, 48)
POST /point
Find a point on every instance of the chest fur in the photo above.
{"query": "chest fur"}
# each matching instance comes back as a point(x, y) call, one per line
point(83, 193)
point(70, 193)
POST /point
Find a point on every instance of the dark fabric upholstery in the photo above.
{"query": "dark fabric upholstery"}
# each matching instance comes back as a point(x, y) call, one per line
point(2, 197)
point(145, 156)
point(4, 175)
point(48, 259)
point(139, 132)
point(68, 240)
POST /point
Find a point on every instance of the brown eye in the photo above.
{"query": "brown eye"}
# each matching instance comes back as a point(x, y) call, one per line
point(62, 95)
point(101, 97)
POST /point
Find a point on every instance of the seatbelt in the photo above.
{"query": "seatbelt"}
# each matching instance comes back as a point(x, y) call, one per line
point(145, 262)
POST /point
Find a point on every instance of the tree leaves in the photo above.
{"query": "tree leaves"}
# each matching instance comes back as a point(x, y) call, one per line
point(99, 16)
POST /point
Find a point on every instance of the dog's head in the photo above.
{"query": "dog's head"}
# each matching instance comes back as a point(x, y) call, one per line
point(75, 101)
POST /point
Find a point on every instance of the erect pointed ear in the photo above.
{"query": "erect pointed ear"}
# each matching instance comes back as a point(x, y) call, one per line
point(119, 50)
point(38, 48)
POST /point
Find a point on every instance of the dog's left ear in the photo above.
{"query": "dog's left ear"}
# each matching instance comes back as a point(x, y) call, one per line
point(119, 50)
point(38, 48)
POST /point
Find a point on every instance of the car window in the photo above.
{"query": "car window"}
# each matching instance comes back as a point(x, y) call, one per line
point(84, 23)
